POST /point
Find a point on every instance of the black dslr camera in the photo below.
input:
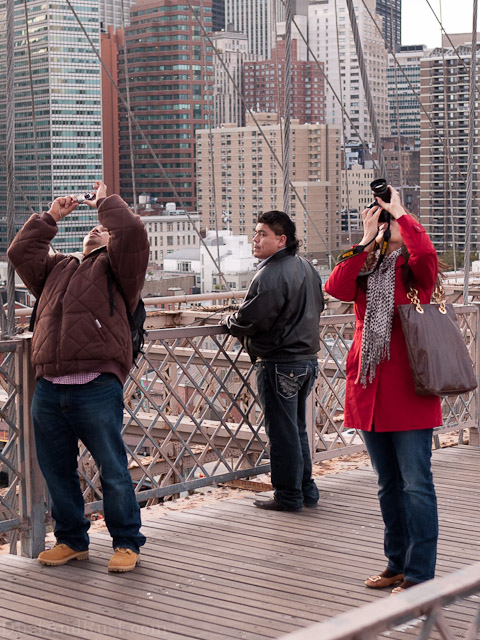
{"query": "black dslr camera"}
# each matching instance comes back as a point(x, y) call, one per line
point(380, 188)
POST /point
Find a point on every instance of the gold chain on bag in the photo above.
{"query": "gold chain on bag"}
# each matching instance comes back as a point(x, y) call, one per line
point(438, 297)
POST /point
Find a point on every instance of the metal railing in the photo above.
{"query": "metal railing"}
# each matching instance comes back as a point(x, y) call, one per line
point(424, 610)
point(22, 494)
point(191, 418)
point(330, 438)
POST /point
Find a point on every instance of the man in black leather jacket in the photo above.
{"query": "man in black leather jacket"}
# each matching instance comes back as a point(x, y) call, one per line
point(278, 324)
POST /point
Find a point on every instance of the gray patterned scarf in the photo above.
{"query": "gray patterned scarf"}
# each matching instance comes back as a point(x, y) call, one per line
point(377, 327)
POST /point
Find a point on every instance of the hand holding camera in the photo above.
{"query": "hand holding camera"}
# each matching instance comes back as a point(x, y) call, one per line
point(388, 198)
point(62, 206)
point(91, 199)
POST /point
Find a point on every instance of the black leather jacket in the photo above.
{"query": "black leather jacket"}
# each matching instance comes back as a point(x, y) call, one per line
point(279, 318)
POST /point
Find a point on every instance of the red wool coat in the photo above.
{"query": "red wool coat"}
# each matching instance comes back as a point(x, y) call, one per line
point(390, 401)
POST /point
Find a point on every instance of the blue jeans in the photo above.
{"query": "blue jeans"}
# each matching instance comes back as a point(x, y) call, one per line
point(283, 389)
point(407, 498)
point(93, 413)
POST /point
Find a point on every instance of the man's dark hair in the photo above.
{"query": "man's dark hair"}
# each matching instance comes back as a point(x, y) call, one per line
point(281, 224)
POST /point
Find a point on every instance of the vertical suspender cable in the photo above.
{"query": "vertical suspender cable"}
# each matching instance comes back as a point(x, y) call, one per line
point(471, 152)
point(287, 104)
point(129, 112)
point(344, 145)
point(10, 158)
point(139, 128)
point(397, 110)
point(213, 114)
point(447, 182)
point(34, 117)
point(366, 88)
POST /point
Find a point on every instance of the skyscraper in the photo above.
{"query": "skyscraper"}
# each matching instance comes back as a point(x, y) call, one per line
point(111, 13)
point(170, 69)
point(332, 43)
point(265, 86)
point(65, 155)
point(218, 15)
point(444, 148)
point(404, 107)
point(232, 50)
point(239, 177)
point(256, 19)
point(391, 12)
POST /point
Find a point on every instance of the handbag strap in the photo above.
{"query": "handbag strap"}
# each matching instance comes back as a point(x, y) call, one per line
point(438, 297)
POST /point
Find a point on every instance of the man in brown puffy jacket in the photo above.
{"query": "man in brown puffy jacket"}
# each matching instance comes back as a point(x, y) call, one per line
point(82, 353)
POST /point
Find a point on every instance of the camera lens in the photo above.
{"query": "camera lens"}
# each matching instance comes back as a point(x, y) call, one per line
point(380, 189)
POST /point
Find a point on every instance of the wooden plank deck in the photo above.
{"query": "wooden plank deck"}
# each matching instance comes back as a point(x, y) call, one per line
point(231, 571)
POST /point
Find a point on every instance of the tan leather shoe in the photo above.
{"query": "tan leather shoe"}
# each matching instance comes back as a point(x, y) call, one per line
point(123, 560)
point(60, 554)
point(406, 584)
point(381, 581)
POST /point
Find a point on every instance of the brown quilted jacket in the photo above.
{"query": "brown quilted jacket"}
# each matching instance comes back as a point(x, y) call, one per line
point(74, 329)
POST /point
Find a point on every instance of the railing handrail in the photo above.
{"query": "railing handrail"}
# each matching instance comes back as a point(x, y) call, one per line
point(368, 621)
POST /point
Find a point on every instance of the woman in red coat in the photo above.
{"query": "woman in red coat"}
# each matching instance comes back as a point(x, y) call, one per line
point(380, 396)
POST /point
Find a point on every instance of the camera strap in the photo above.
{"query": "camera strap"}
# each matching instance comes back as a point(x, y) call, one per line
point(359, 248)
point(354, 251)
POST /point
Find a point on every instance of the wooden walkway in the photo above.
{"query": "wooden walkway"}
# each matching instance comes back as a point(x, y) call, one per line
point(231, 571)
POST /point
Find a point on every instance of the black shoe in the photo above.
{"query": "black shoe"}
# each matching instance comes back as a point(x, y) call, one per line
point(310, 505)
point(273, 505)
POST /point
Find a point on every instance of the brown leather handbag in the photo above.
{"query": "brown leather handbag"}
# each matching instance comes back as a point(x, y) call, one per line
point(437, 352)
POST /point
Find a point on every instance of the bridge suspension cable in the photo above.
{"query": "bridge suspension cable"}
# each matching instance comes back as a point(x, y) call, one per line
point(145, 139)
point(471, 154)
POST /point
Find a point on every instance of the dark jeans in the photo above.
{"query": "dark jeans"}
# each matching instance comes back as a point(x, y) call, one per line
point(408, 502)
point(93, 413)
point(283, 389)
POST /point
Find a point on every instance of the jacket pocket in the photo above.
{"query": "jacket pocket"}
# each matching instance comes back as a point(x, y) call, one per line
point(82, 338)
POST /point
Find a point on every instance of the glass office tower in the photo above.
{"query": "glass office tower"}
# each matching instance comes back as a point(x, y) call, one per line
point(58, 129)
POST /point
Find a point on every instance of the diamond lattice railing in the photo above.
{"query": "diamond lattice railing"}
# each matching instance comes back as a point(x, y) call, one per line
point(11, 486)
point(191, 415)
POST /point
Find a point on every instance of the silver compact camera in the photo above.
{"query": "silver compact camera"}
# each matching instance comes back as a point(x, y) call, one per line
point(86, 196)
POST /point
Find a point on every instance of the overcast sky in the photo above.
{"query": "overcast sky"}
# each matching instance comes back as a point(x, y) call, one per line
point(419, 25)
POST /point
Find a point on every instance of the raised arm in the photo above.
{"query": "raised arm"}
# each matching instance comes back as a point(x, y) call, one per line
point(29, 252)
point(128, 246)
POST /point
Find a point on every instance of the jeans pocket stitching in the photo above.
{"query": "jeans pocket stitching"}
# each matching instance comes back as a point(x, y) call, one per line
point(287, 385)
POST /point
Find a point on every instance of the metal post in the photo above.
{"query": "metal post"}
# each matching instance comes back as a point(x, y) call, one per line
point(311, 422)
point(474, 432)
point(34, 503)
